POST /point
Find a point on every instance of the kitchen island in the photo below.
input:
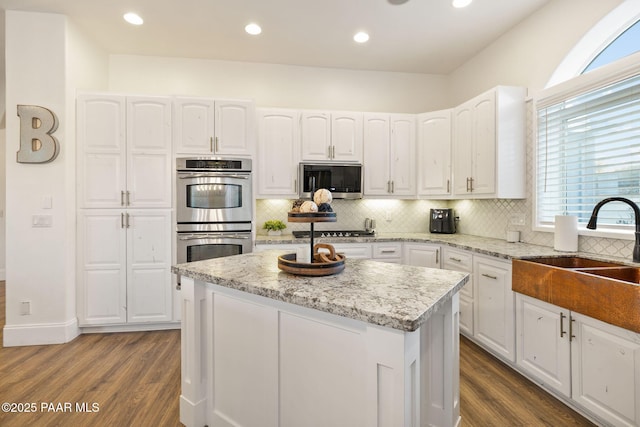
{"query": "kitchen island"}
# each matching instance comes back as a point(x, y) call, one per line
point(376, 345)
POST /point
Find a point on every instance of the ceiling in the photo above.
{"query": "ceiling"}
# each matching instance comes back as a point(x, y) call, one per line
point(418, 36)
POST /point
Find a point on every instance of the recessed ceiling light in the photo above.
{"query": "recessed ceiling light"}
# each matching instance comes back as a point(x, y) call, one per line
point(361, 37)
point(133, 18)
point(461, 3)
point(253, 29)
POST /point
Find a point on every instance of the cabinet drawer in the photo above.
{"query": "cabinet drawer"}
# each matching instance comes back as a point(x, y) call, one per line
point(354, 251)
point(387, 250)
point(457, 260)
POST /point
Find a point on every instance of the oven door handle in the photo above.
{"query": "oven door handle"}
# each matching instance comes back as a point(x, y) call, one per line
point(187, 175)
point(212, 236)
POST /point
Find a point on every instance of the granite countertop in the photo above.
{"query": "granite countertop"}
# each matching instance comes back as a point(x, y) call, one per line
point(391, 295)
point(482, 245)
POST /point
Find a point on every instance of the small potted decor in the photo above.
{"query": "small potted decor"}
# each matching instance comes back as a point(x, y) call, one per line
point(274, 227)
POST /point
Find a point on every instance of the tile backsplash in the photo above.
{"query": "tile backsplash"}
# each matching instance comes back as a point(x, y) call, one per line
point(396, 216)
point(486, 218)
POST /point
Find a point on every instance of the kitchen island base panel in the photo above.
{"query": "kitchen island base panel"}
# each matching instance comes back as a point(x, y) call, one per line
point(261, 362)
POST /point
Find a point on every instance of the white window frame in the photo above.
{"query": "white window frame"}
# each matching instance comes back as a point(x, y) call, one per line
point(619, 70)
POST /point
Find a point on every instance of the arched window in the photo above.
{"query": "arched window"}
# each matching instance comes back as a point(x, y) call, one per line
point(625, 44)
point(588, 128)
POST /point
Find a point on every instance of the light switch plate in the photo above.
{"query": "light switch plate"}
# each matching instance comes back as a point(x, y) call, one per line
point(41, 220)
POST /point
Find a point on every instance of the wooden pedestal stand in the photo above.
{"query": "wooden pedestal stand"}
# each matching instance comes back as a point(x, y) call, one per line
point(319, 266)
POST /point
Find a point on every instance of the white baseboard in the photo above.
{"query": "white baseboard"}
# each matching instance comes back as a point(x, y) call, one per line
point(40, 334)
point(134, 327)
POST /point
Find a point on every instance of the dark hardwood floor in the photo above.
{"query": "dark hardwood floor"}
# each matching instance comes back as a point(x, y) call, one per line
point(134, 378)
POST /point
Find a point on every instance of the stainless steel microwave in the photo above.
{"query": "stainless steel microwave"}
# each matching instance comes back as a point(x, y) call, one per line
point(344, 180)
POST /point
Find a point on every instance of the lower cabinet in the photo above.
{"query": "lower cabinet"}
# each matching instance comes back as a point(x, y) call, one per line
point(124, 266)
point(595, 364)
point(460, 260)
point(421, 255)
point(494, 306)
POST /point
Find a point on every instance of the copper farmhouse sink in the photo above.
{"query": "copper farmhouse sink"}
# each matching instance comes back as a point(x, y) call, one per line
point(603, 290)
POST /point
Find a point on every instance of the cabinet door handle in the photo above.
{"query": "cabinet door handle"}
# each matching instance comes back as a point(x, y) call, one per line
point(490, 276)
point(448, 186)
point(122, 198)
point(467, 184)
point(128, 198)
point(216, 144)
point(437, 256)
point(393, 187)
point(127, 218)
point(571, 320)
point(295, 185)
point(121, 220)
point(211, 144)
point(471, 186)
point(562, 317)
point(333, 151)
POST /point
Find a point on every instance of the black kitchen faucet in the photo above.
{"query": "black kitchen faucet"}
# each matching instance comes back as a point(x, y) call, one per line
point(594, 218)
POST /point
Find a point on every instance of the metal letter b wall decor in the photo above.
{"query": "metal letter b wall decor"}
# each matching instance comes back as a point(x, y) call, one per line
point(37, 145)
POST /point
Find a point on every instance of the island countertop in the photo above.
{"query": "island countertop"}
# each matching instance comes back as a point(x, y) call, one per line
point(391, 295)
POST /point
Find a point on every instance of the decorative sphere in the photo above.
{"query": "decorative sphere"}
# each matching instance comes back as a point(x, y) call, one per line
point(296, 205)
point(322, 196)
point(308, 207)
point(324, 207)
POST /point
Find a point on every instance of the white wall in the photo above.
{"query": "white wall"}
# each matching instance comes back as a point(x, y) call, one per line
point(272, 85)
point(528, 54)
point(40, 49)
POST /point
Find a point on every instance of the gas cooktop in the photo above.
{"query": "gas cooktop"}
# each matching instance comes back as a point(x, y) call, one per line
point(333, 233)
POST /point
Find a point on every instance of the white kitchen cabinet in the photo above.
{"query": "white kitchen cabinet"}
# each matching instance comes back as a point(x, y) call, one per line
point(331, 136)
point(124, 262)
point(213, 127)
point(434, 153)
point(489, 145)
point(389, 155)
point(387, 252)
point(278, 153)
point(421, 255)
point(354, 250)
point(494, 325)
point(595, 364)
point(460, 260)
point(124, 151)
point(315, 135)
point(543, 344)
point(605, 370)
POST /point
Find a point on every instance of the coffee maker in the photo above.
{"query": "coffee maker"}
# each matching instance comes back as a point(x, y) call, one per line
point(442, 221)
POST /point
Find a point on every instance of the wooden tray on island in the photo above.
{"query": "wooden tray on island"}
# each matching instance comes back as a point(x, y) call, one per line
point(324, 264)
point(288, 263)
point(312, 217)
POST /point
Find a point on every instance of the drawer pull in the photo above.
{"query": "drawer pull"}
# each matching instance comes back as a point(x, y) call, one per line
point(455, 259)
point(489, 276)
point(388, 251)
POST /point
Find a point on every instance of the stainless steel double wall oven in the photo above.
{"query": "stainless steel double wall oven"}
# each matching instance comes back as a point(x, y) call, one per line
point(214, 201)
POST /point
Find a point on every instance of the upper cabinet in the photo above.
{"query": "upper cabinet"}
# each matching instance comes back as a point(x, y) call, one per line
point(489, 145)
point(331, 136)
point(278, 153)
point(389, 155)
point(124, 151)
point(214, 127)
point(434, 153)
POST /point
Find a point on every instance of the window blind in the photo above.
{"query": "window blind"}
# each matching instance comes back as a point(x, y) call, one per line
point(588, 148)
